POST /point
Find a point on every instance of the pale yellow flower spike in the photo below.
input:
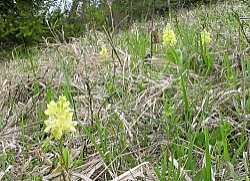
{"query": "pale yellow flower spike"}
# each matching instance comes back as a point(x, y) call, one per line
point(169, 38)
point(205, 37)
point(60, 118)
point(104, 51)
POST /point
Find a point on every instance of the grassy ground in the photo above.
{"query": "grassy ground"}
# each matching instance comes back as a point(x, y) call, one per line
point(182, 117)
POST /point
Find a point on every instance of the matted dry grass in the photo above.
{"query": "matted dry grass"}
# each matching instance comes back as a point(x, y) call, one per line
point(23, 89)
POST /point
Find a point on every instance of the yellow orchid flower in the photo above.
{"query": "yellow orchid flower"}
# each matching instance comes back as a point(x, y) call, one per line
point(104, 51)
point(169, 38)
point(205, 37)
point(60, 118)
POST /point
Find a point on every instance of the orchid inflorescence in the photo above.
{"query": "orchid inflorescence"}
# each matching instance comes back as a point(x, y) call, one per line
point(60, 118)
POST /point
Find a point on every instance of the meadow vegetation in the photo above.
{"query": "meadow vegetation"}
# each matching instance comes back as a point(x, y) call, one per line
point(183, 114)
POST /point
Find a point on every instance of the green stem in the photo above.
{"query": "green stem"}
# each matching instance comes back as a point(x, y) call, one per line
point(62, 162)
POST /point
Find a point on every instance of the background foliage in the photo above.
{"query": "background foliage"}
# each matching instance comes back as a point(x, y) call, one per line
point(27, 22)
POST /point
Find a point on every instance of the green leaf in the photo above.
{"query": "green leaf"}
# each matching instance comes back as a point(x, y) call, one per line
point(248, 102)
point(208, 166)
point(175, 56)
point(232, 172)
point(66, 157)
point(224, 140)
point(199, 176)
point(199, 139)
point(92, 139)
point(216, 136)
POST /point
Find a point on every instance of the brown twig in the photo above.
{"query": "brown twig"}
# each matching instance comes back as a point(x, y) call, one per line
point(112, 45)
point(152, 31)
point(89, 88)
point(111, 15)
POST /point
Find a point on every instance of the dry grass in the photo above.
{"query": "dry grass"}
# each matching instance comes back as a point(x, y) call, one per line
point(136, 101)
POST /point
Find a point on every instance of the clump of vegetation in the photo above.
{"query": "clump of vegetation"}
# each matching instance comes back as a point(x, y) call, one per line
point(181, 115)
